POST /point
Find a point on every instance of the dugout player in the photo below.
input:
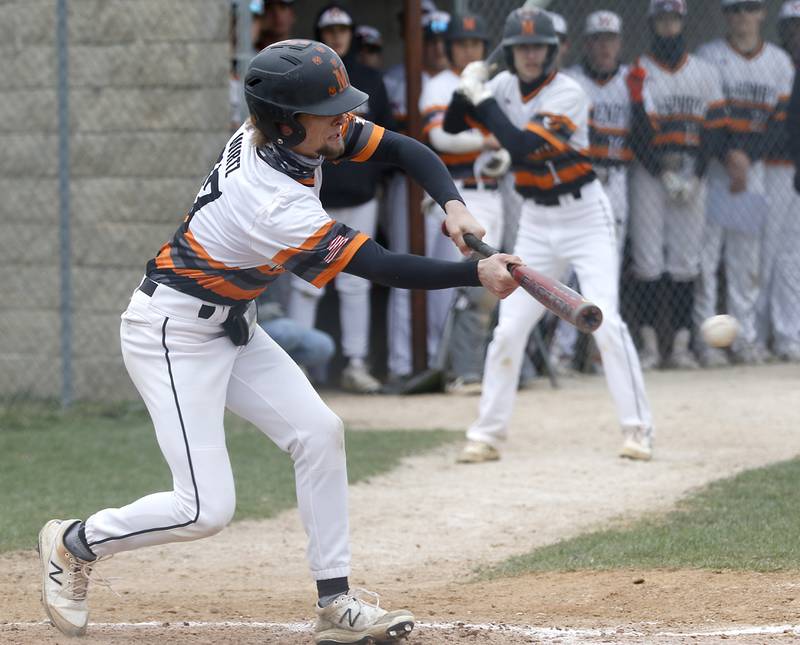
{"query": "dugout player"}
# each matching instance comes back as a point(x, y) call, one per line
point(466, 155)
point(348, 195)
point(541, 117)
point(192, 349)
point(756, 77)
point(434, 60)
point(678, 124)
point(779, 300)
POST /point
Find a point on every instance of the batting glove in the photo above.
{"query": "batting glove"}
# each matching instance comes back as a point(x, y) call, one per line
point(473, 83)
point(635, 82)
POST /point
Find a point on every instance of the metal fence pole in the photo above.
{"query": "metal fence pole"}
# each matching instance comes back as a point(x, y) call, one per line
point(64, 205)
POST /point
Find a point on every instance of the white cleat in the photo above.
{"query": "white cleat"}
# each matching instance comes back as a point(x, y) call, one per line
point(638, 444)
point(356, 378)
point(349, 620)
point(476, 452)
point(65, 580)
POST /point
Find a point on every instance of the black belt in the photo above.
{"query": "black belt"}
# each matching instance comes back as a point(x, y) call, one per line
point(492, 186)
point(554, 200)
point(148, 287)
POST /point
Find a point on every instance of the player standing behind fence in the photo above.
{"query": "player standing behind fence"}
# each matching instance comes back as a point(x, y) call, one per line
point(541, 117)
point(465, 154)
point(192, 348)
point(348, 195)
point(434, 60)
point(603, 79)
point(779, 300)
point(678, 123)
point(755, 76)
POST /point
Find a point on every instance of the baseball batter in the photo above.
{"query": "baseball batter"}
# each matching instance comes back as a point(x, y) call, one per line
point(678, 124)
point(192, 349)
point(756, 77)
point(541, 117)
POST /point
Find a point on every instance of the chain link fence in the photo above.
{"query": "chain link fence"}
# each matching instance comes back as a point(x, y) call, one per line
point(113, 111)
point(692, 248)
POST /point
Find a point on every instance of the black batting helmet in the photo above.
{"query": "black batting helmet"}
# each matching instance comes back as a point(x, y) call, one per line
point(465, 26)
point(293, 77)
point(529, 27)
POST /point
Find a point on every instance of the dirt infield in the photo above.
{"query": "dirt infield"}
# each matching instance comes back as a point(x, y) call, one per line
point(419, 531)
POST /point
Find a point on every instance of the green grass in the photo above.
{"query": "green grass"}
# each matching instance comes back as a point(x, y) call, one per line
point(59, 464)
point(747, 522)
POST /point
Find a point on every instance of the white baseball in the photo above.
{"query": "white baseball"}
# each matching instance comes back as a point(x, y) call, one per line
point(719, 331)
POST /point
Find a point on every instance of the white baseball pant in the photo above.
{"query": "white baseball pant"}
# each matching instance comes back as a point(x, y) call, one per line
point(188, 371)
point(779, 300)
point(354, 292)
point(665, 237)
point(581, 233)
point(741, 253)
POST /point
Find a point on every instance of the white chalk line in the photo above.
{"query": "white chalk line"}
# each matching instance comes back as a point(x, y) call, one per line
point(522, 630)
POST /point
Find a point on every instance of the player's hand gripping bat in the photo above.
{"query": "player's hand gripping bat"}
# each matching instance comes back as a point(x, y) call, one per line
point(557, 297)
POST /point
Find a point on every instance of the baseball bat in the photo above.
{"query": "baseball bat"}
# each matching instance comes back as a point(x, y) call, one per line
point(565, 303)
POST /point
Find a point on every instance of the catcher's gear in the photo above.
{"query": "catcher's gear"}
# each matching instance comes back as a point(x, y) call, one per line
point(530, 27)
point(293, 77)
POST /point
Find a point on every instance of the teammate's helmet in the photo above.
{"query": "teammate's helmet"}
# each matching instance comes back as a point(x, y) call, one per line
point(667, 6)
point(465, 26)
point(529, 27)
point(469, 25)
point(293, 77)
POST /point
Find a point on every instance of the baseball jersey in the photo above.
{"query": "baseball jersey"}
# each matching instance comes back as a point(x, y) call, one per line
point(681, 103)
point(756, 89)
point(395, 81)
point(609, 116)
point(558, 111)
point(433, 102)
point(256, 216)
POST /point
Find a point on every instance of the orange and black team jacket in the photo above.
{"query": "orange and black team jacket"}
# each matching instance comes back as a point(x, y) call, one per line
point(258, 214)
point(544, 127)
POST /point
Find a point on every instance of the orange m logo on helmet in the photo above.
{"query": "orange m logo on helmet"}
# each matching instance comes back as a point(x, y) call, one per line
point(527, 26)
point(341, 77)
point(469, 23)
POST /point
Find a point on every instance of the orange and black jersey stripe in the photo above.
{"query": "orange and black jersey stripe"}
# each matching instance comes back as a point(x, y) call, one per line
point(460, 166)
point(544, 162)
point(609, 146)
point(183, 264)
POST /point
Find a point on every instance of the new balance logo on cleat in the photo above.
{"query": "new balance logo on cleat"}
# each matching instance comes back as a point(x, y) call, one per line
point(350, 618)
point(52, 575)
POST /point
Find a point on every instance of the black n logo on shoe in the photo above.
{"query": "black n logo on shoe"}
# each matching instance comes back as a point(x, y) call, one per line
point(52, 575)
point(349, 615)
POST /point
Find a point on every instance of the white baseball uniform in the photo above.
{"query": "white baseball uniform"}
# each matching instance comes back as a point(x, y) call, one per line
point(250, 222)
point(566, 220)
point(753, 84)
point(609, 148)
point(681, 103)
point(779, 300)
point(397, 233)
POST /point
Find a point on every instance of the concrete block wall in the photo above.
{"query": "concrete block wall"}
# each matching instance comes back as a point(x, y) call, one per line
point(148, 92)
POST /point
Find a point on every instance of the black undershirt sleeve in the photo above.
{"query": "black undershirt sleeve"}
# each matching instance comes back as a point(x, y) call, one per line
point(420, 162)
point(404, 271)
point(455, 119)
point(519, 143)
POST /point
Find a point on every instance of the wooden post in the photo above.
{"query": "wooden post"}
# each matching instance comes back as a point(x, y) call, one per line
point(416, 228)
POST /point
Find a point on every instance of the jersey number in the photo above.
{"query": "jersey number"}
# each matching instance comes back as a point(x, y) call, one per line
point(208, 193)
